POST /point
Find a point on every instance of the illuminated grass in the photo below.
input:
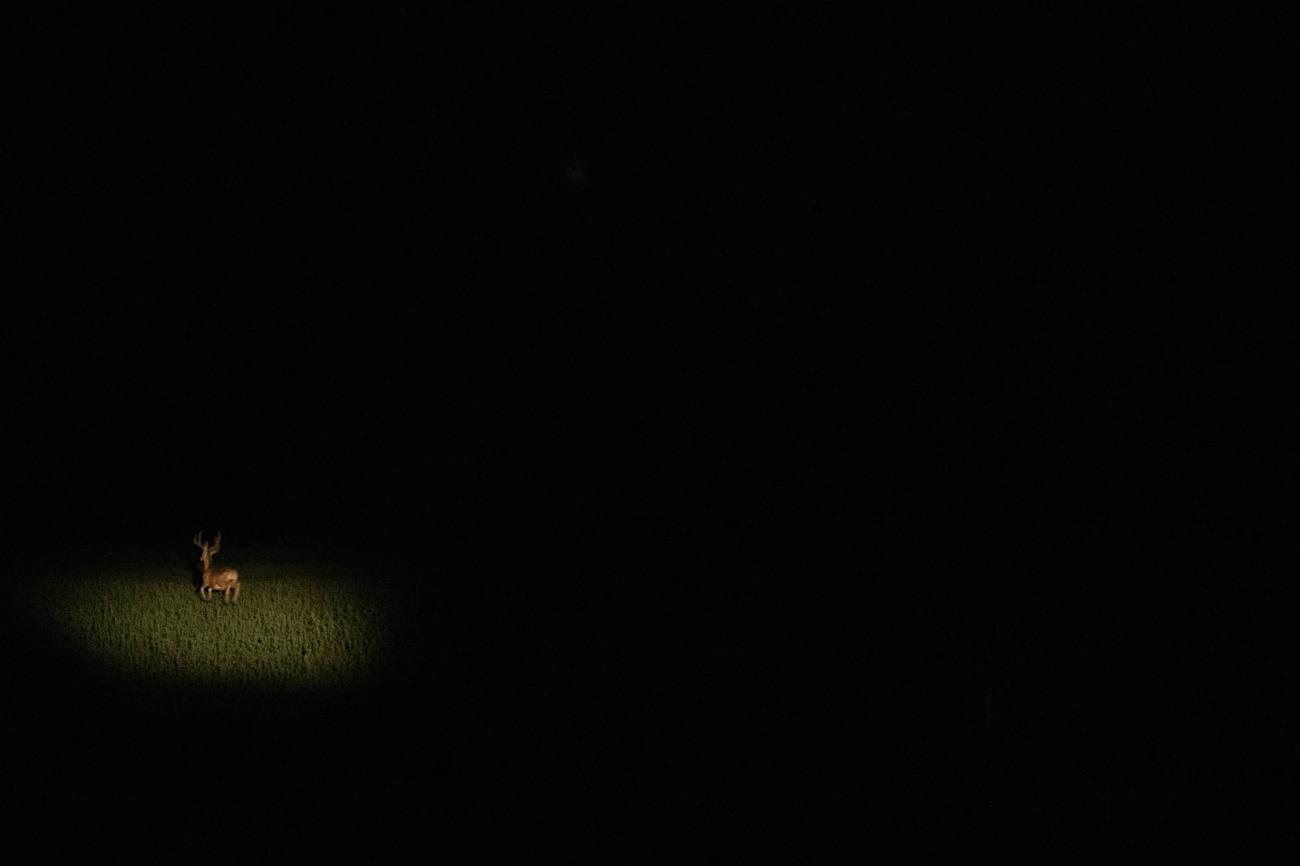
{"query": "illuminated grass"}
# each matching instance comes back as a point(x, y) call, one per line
point(296, 626)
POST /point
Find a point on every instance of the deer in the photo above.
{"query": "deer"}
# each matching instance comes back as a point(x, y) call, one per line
point(226, 580)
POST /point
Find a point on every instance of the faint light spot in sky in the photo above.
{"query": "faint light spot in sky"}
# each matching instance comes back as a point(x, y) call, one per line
point(576, 174)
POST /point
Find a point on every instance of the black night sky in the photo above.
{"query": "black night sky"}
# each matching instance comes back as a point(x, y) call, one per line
point(722, 391)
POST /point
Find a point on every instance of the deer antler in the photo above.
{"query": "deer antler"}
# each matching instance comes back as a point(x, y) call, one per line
point(216, 545)
point(198, 539)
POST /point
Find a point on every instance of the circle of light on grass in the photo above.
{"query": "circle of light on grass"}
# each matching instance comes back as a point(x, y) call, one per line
point(295, 627)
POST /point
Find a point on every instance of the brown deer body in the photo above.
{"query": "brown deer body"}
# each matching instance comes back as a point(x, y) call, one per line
point(224, 580)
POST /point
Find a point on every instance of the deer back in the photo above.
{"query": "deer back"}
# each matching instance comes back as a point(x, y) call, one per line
point(220, 578)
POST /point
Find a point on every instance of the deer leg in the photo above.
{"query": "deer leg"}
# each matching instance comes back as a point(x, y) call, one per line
point(236, 592)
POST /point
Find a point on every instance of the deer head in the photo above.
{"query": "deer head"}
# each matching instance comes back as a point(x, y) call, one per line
point(209, 549)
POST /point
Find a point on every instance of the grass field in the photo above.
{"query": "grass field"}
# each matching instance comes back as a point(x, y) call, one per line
point(299, 624)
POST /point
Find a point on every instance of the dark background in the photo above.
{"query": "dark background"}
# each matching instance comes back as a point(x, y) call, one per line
point(711, 380)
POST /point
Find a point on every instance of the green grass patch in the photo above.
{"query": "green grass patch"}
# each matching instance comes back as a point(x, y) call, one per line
point(297, 625)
